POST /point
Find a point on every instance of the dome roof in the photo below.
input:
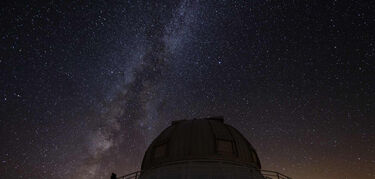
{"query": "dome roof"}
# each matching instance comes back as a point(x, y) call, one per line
point(208, 139)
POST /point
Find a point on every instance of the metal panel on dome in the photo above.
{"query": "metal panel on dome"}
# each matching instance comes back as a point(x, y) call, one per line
point(242, 146)
point(203, 139)
point(180, 140)
point(164, 136)
point(220, 130)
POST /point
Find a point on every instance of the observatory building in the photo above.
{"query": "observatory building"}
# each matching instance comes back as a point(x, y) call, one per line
point(201, 148)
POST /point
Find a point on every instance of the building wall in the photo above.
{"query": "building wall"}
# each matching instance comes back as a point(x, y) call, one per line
point(204, 170)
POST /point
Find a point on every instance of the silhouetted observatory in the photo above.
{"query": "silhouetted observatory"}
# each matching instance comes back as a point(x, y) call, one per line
point(200, 148)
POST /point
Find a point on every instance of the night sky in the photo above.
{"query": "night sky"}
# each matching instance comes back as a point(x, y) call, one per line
point(85, 86)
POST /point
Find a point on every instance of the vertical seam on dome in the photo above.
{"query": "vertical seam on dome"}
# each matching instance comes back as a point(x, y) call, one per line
point(191, 138)
point(170, 141)
point(214, 135)
point(250, 148)
point(233, 139)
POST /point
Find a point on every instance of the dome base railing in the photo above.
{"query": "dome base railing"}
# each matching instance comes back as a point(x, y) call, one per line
point(267, 174)
point(134, 175)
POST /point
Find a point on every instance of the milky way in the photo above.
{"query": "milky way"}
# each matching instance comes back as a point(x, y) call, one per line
point(140, 89)
point(86, 86)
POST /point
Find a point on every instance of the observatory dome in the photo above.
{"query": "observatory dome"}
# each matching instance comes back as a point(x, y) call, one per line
point(200, 139)
point(200, 148)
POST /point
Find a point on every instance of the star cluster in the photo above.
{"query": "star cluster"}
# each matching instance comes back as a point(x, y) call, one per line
point(85, 86)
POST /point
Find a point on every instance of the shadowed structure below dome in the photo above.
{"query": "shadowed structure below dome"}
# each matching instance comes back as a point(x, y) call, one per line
point(201, 148)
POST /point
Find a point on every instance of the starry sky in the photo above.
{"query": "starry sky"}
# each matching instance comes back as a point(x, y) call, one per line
point(86, 85)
